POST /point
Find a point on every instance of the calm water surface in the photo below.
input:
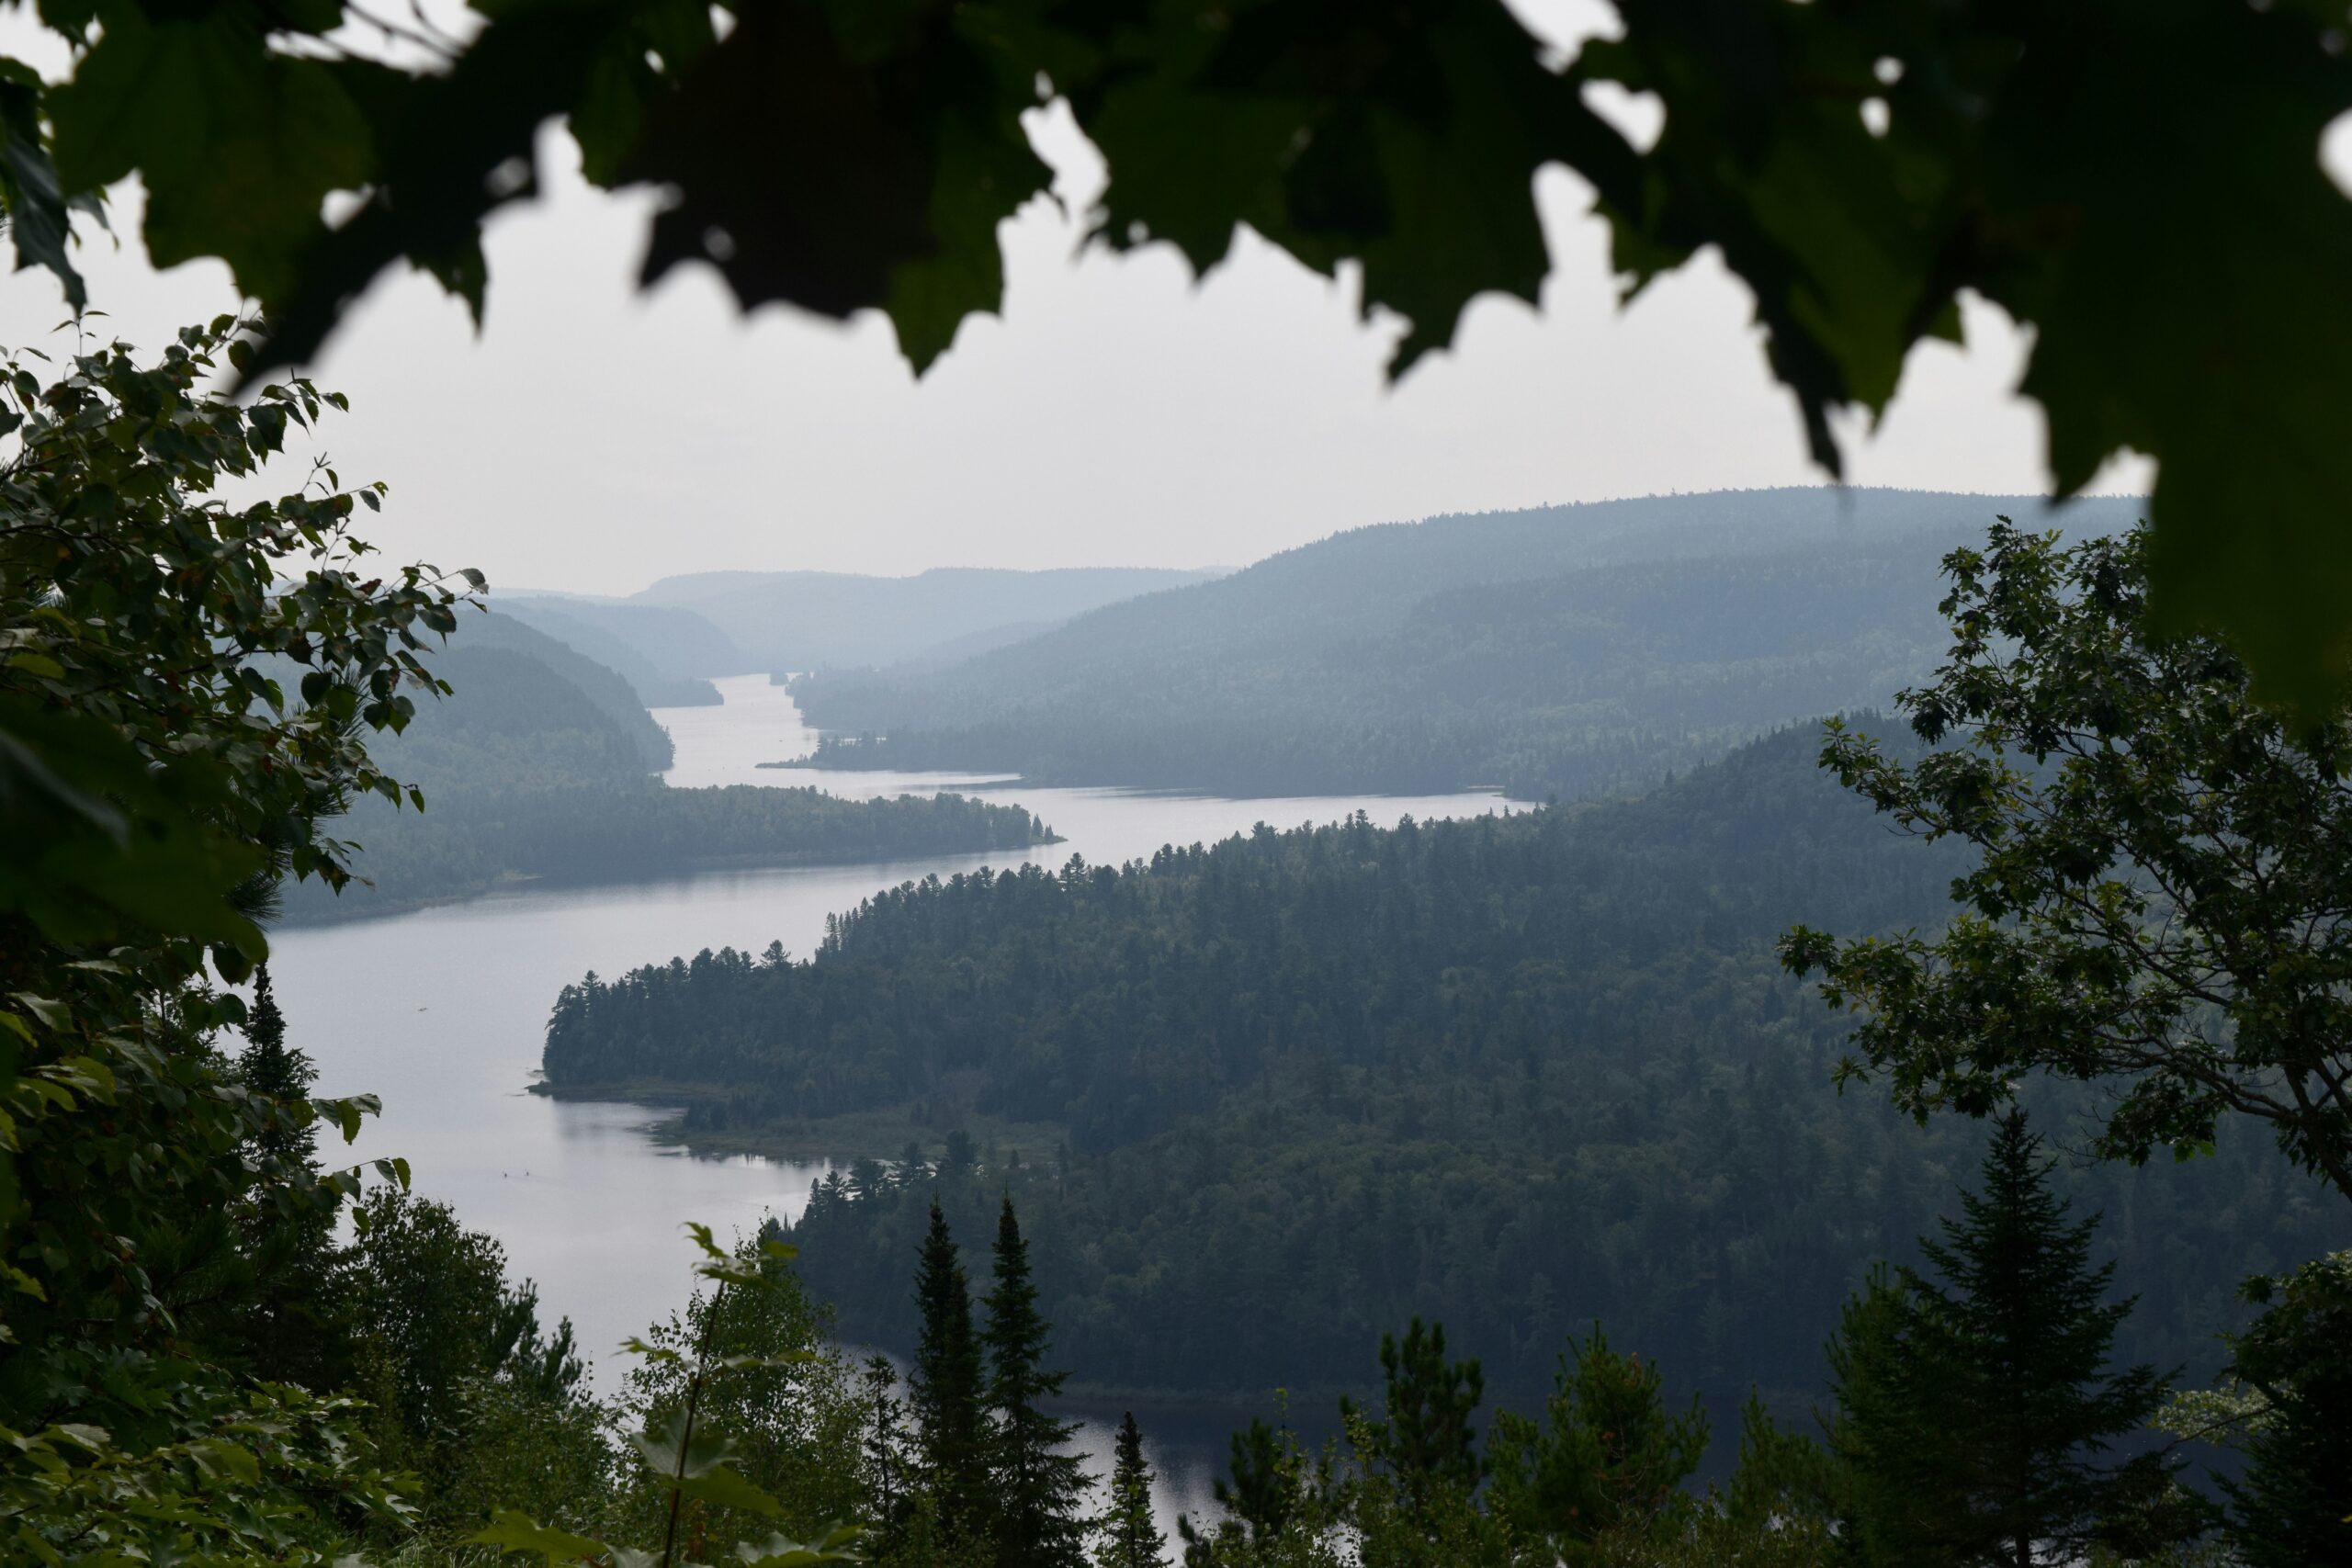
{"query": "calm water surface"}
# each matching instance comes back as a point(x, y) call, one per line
point(441, 1011)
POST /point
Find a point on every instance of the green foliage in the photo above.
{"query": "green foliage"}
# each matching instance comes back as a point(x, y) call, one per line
point(1036, 1487)
point(1883, 1453)
point(1597, 1481)
point(2160, 868)
point(1425, 1436)
point(1126, 1536)
point(433, 1317)
point(1977, 1415)
point(136, 599)
point(774, 1382)
point(1279, 1506)
point(157, 781)
point(946, 1395)
point(1856, 166)
point(1606, 1459)
point(289, 1329)
point(682, 1457)
point(204, 1471)
point(1781, 1503)
point(2291, 1506)
point(1410, 1494)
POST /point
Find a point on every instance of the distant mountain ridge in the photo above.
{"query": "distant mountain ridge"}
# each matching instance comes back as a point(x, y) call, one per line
point(1563, 650)
point(809, 620)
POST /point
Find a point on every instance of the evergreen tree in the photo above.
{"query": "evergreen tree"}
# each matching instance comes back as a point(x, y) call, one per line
point(1267, 1494)
point(1985, 1398)
point(272, 1071)
point(1038, 1486)
point(943, 1389)
point(883, 1448)
point(2293, 1505)
point(1607, 1458)
point(1900, 1486)
point(1427, 1438)
point(287, 1332)
point(1129, 1536)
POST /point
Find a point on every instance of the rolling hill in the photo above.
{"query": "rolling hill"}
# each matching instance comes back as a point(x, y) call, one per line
point(1569, 651)
point(809, 620)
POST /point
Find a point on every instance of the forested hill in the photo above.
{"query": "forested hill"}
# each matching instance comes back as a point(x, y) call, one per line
point(809, 620)
point(1570, 650)
point(667, 655)
point(543, 765)
point(555, 711)
point(1515, 1073)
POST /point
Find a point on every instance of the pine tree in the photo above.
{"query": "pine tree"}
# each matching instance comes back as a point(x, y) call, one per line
point(1902, 1489)
point(1427, 1436)
point(1129, 1536)
point(1608, 1457)
point(1989, 1402)
point(1039, 1486)
point(287, 1332)
point(272, 1072)
point(884, 1446)
point(943, 1389)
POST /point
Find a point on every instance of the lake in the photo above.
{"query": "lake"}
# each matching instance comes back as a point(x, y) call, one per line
point(442, 1011)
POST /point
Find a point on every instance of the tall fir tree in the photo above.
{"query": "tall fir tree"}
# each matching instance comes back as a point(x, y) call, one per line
point(1427, 1436)
point(270, 1070)
point(1040, 1486)
point(945, 1390)
point(1984, 1398)
point(884, 1447)
point(1127, 1536)
point(288, 1330)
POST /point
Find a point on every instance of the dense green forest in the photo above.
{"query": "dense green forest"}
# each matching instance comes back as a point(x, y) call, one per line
point(541, 766)
point(1564, 1041)
point(1565, 652)
point(1515, 1072)
point(809, 620)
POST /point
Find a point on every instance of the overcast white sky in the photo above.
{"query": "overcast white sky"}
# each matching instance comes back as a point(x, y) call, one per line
point(593, 438)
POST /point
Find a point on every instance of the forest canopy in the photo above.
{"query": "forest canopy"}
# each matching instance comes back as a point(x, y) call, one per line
point(1517, 1072)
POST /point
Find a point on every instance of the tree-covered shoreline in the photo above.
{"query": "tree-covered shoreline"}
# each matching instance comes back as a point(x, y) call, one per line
point(1313, 1081)
point(590, 835)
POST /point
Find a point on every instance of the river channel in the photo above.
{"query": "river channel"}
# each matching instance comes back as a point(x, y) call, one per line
point(441, 1011)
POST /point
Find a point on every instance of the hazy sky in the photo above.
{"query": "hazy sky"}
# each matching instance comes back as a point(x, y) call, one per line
point(594, 438)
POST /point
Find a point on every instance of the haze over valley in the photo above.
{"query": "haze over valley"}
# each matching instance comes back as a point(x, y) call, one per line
point(1481, 784)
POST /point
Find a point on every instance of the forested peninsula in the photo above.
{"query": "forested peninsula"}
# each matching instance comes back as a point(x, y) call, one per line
point(542, 765)
point(1308, 1083)
point(1565, 652)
